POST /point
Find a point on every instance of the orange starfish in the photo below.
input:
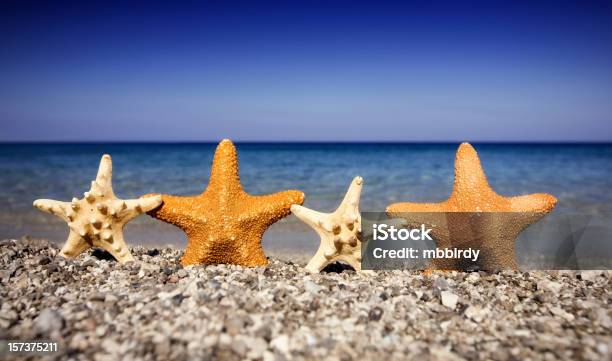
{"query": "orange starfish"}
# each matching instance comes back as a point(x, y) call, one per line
point(225, 224)
point(475, 216)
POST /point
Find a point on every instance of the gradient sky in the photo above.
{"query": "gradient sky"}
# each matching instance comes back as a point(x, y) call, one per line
point(336, 70)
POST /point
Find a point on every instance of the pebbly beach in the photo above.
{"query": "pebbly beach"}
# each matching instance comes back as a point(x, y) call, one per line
point(155, 309)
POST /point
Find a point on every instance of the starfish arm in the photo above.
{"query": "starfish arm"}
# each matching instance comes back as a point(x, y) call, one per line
point(224, 171)
point(51, 206)
point(175, 210)
point(74, 246)
point(469, 175)
point(432, 215)
point(135, 207)
point(535, 203)
point(103, 182)
point(274, 206)
point(354, 191)
point(318, 221)
point(351, 198)
point(195, 252)
point(149, 203)
point(117, 247)
point(318, 261)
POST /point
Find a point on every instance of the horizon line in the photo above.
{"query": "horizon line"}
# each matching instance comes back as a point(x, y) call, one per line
point(94, 142)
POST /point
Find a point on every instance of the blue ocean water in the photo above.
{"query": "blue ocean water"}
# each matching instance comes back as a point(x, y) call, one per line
point(579, 175)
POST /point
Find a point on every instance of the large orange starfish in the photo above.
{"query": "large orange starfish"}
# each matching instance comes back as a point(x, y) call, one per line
point(475, 216)
point(225, 224)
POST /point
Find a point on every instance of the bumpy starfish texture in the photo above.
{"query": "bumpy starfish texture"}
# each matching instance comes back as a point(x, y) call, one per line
point(225, 224)
point(475, 216)
point(98, 218)
point(340, 231)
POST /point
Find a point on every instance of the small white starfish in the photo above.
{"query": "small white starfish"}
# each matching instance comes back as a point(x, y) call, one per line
point(98, 219)
point(340, 231)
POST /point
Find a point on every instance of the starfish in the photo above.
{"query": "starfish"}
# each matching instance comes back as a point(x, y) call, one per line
point(475, 216)
point(224, 224)
point(340, 231)
point(97, 220)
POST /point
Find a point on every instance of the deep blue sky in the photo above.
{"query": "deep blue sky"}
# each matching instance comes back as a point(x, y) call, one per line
point(306, 71)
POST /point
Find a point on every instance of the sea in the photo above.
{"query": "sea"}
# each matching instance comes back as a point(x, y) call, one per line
point(579, 175)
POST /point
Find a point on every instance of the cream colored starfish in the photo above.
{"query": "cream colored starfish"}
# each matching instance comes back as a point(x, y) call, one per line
point(97, 220)
point(340, 231)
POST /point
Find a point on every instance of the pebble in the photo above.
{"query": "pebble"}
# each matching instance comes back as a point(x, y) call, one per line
point(281, 343)
point(550, 286)
point(258, 346)
point(181, 273)
point(7, 316)
point(89, 262)
point(441, 284)
point(375, 314)
point(449, 299)
point(590, 275)
point(49, 320)
point(98, 296)
point(476, 313)
point(312, 287)
point(473, 277)
point(110, 298)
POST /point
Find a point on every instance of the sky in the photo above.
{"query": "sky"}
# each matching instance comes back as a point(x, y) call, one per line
point(306, 71)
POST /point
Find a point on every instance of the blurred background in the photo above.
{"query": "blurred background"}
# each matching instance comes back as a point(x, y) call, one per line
point(305, 70)
point(314, 93)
